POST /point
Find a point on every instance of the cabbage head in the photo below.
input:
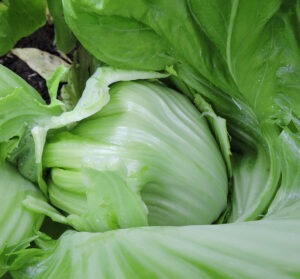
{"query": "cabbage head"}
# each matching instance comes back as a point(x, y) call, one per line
point(148, 157)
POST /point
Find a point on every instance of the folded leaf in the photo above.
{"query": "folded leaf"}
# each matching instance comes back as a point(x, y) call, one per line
point(21, 109)
point(253, 250)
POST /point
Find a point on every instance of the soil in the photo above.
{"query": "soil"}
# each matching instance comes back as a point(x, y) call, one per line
point(42, 39)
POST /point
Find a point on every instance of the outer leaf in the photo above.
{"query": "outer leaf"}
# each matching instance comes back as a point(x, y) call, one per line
point(255, 177)
point(286, 203)
point(19, 18)
point(16, 222)
point(116, 34)
point(260, 250)
point(21, 108)
point(64, 38)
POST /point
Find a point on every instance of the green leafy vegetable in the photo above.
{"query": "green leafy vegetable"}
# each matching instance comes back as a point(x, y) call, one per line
point(147, 157)
point(19, 18)
point(286, 202)
point(250, 78)
point(21, 109)
point(64, 39)
point(17, 223)
point(261, 249)
point(136, 169)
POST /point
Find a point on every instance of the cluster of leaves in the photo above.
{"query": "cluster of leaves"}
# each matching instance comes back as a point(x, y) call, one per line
point(147, 182)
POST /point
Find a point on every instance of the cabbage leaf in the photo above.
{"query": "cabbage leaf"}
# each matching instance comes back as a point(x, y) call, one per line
point(241, 56)
point(17, 223)
point(18, 19)
point(257, 249)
